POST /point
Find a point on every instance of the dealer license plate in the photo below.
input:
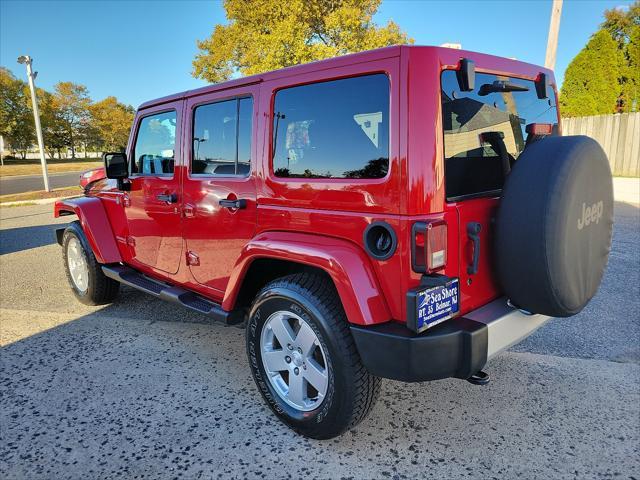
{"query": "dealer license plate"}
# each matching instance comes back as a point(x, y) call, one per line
point(437, 304)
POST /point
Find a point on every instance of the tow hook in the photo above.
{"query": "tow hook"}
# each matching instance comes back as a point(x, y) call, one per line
point(479, 378)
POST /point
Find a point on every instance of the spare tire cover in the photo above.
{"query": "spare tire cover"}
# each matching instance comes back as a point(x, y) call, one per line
point(554, 224)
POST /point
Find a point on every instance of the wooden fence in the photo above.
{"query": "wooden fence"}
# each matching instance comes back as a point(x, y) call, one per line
point(619, 136)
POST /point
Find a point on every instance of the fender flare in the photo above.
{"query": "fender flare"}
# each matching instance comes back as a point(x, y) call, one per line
point(346, 264)
point(95, 224)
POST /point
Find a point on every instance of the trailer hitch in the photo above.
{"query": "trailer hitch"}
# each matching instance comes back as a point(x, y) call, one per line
point(479, 378)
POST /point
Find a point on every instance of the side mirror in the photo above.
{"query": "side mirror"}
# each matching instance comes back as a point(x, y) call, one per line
point(115, 165)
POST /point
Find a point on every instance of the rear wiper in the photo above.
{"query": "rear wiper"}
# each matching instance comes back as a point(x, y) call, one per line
point(500, 86)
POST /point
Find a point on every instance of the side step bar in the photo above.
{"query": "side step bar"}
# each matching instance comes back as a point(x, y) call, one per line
point(133, 278)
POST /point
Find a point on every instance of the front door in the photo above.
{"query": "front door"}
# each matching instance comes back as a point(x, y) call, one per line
point(219, 209)
point(152, 207)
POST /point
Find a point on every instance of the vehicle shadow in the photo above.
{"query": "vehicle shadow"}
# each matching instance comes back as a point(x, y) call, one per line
point(24, 238)
point(626, 209)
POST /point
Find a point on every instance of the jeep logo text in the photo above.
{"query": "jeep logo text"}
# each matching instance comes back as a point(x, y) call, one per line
point(591, 214)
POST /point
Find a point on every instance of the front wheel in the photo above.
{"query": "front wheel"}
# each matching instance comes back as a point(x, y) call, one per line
point(89, 284)
point(304, 360)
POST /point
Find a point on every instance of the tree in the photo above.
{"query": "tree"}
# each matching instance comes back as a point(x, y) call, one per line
point(111, 121)
point(16, 118)
point(620, 23)
point(591, 85)
point(68, 116)
point(631, 88)
point(72, 102)
point(54, 130)
point(265, 35)
point(624, 27)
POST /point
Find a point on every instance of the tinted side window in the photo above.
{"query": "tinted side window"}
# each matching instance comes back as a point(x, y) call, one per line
point(222, 138)
point(336, 129)
point(482, 126)
point(154, 151)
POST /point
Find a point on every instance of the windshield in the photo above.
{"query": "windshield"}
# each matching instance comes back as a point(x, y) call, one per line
point(485, 130)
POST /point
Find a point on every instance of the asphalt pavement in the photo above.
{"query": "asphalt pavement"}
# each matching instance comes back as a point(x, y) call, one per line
point(136, 389)
point(30, 183)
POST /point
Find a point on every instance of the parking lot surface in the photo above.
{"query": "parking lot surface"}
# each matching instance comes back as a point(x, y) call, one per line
point(140, 389)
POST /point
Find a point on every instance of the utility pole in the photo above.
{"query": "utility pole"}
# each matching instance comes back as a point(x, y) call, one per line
point(552, 39)
point(2, 150)
point(27, 60)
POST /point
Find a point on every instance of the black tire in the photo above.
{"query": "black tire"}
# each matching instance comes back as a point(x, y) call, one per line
point(100, 289)
point(352, 390)
point(554, 225)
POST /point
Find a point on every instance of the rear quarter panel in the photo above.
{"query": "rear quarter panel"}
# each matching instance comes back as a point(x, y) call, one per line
point(338, 208)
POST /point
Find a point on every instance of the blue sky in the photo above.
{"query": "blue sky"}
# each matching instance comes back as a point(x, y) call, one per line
point(139, 50)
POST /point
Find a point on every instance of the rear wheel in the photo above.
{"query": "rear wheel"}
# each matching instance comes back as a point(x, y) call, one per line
point(89, 284)
point(304, 360)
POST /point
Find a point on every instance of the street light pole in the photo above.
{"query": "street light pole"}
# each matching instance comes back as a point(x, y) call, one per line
point(27, 60)
point(552, 39)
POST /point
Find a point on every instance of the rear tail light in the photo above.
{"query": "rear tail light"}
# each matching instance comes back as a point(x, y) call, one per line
point(539, 129)
point(429, 246)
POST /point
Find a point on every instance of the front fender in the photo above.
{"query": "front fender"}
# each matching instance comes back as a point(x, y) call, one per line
point(345, 263)
point(95, 224)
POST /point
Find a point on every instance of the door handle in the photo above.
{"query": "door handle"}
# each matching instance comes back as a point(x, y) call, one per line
point(167, 197)
point(233, 204)
point(473, 231)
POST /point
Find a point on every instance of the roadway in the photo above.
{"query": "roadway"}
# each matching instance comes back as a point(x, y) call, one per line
point(140, 389)
point(29, 183)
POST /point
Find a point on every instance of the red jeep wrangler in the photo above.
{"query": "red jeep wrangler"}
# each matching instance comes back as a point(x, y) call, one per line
point(404, 213)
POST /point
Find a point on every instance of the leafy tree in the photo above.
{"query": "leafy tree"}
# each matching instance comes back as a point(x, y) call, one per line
point(266, 35)
point(631, 87)
point(624, 27)
point(621, 23)
point(72, 102)
point(54, 130)
point(591, 85)
point(112, 121)
point(16, 119)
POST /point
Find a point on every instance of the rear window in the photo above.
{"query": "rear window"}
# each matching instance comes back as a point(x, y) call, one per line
point(335, 129)
point(481, 124)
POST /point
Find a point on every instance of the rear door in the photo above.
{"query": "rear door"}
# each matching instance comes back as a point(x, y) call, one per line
point(475, 229)
point(151, 206)
point(219, 209)
point(484, 133)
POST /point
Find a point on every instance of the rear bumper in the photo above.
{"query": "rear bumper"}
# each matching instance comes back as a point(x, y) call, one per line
point(457, 348)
